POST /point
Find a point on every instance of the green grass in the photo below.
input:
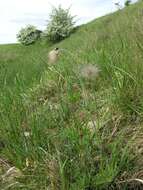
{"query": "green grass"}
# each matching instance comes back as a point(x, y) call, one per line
point(85, 134)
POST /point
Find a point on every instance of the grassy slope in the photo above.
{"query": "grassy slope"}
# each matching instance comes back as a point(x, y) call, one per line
point(56, 105)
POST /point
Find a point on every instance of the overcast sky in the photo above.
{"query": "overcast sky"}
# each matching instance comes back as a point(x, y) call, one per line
point(15, 14)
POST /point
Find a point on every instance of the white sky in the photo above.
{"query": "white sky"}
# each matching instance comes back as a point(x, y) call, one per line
point(15, 14)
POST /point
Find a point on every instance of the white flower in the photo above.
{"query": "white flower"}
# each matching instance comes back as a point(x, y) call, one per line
point(26, 134)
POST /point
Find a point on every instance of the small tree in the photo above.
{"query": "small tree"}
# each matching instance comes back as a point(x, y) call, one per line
point(60, 25)
point(28, 35)
point(127, 3)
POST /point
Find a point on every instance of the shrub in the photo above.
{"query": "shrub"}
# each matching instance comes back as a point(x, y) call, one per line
point(127, 2)
point(60, 25)
point(28, 35)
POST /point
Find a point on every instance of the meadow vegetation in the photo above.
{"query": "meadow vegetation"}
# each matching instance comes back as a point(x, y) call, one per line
point(62, 130)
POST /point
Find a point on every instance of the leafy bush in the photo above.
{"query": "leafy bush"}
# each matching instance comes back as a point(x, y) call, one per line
point(127, 2)
point(28, 35)
point(60, 25)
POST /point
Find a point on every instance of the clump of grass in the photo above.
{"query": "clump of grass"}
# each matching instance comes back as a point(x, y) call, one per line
point(81, 136)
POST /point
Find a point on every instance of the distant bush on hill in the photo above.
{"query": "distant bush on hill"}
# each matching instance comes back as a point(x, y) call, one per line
point(28, 35)
point(60, 25)
point(127, 2)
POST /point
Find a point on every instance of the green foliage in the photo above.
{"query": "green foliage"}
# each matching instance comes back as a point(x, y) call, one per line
point(64, 130)
point(127, 3)
point(60, 24)
point(28, 35)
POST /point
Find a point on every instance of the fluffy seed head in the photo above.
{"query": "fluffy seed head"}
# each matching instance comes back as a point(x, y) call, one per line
point(89, 72)
point(53, 56)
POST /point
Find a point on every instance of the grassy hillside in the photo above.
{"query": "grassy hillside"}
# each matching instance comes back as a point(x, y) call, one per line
point(78, 124)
